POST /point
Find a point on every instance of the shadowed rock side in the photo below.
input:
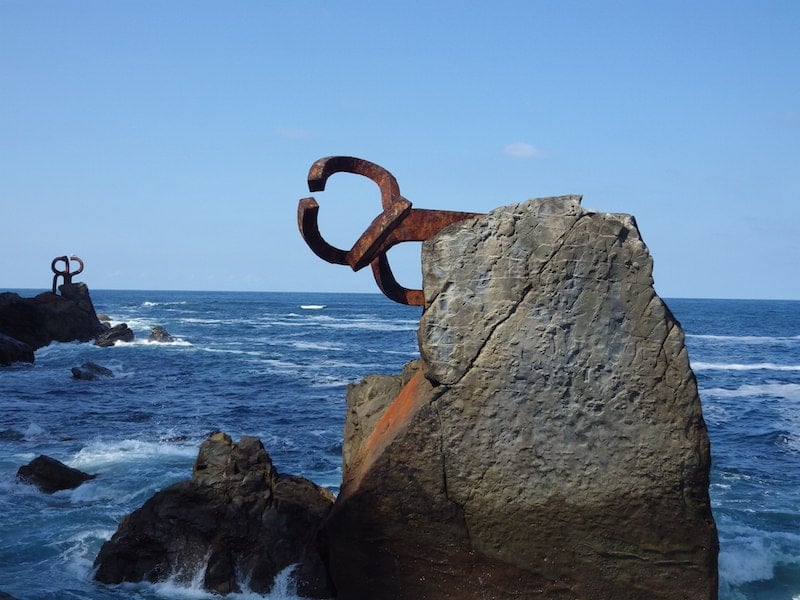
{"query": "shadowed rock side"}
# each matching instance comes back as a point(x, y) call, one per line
point(552, 443)
point(236, 518)
point(50, 317)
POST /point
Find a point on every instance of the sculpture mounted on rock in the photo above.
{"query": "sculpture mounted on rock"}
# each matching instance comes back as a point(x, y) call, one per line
point(549, 443)
point(65, 273)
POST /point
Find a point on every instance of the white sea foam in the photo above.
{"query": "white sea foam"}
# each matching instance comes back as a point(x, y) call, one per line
point(330, 381)
point(745, 339)
point(316, 346)
point(33, 432)
point(374, 325)
point(765, 366)
point(178, 588)
point(102, 454)
point(788, 391)
point(149, 304)
point(746, 559)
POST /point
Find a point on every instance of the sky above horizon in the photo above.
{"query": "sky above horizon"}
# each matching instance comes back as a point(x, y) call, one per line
point(168, 143)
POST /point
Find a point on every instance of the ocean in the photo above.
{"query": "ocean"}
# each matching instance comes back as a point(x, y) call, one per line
point(276, 366)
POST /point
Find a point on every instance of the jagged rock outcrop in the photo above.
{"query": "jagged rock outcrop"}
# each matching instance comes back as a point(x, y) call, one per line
point(237, 517)
point(366, 402)
point(51, 475)
point(161, 335)
point(117, 333)
point(50, 317)
point(552, 442)
point(12, 351)
point(90, 371)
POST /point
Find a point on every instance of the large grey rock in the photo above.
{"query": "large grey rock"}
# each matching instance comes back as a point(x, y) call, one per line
point(556, 437)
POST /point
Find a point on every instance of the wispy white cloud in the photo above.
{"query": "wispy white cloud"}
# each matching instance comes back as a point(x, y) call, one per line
point(523, 150)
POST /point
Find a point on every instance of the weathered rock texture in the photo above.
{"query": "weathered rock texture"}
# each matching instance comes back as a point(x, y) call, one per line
point(51, 475)
point(552, 443)
point(50, 317)
point(236, 518)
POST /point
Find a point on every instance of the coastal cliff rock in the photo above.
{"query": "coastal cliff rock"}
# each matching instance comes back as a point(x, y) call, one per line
point(551, 443)
point(236, 518)
point(51, 475)
point(50, 317)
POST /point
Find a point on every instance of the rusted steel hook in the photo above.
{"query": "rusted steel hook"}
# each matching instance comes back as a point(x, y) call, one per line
point(397, 223)
point(65, 273)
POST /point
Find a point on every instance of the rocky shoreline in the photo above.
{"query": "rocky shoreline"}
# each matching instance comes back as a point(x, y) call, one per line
point(549, 443)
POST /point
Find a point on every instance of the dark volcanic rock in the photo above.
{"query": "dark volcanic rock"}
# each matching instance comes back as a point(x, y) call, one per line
point(159, 334)
point(51, 475)
point(118, 333)
point(12, 350)
point(236, 517)
point(50, 317)
point(91, 371)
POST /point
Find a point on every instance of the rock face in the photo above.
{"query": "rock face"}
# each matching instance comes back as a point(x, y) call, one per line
point(552, 442)
point(12, 351)
point(51, 475)
point(50, 317)
point(237, 517)
point(117, 333)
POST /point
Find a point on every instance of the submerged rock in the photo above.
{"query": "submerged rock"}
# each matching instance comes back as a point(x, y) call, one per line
point(159, 334)
point(237, 517)
point(551, 443)
point(118, 333)
point(90, 371)
point(51, 475)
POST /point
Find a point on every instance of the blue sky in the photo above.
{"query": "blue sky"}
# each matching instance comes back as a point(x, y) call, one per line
point(167, 143)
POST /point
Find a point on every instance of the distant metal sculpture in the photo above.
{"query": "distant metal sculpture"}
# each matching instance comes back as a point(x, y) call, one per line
point(397, 223)
point(65, 273)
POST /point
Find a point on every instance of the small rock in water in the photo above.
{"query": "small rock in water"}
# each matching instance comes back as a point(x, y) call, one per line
point(118, 333)
point(90, 371)
point(159, 334)
point(51, 475)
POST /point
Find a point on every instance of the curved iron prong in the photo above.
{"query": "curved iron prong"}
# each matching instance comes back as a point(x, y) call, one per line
point(80, 264)
point(387, 283)
point(322, 169)
point(307, 211)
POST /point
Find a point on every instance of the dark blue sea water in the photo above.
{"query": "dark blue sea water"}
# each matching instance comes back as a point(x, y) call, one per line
point(276, 366)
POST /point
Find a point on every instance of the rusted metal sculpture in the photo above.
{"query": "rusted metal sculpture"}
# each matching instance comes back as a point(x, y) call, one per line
point(65, 273)
point(397, 223)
